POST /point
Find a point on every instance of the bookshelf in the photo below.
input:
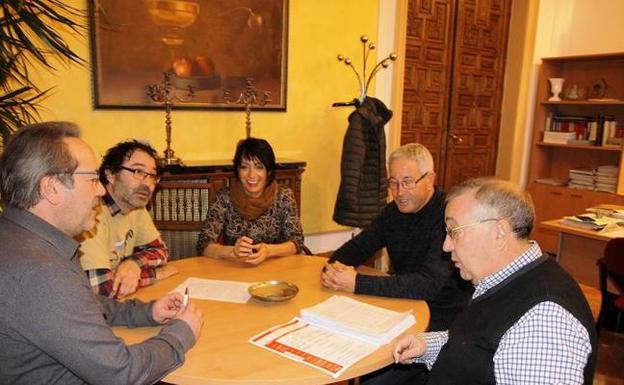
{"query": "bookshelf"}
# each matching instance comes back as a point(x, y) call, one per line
point(554, 160)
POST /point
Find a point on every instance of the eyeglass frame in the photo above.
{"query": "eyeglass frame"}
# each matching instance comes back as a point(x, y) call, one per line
point(453, 232)
point(403, 182)
point(94, 181)
point(141, 175)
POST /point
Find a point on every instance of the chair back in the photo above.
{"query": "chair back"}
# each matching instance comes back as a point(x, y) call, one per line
point(614, 256)
point(178, 209)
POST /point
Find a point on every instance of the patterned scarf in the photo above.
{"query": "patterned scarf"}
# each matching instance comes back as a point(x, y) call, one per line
point(249, 207)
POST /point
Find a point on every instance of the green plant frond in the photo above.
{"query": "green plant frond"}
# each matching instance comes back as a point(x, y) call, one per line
point(50, 38)
point(13, 94)
point(31, 34)
point(13, 72)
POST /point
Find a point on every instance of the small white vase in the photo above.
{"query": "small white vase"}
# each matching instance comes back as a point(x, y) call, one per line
point(556, 86)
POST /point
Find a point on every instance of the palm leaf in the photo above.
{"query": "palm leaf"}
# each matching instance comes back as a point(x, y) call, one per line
point(31, 31)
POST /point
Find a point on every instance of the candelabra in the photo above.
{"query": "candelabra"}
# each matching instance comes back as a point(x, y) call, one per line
point(162, 93)
point(363, 82)
point(248, 97)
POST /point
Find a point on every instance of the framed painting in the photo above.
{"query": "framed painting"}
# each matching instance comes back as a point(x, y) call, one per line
point(210, 48)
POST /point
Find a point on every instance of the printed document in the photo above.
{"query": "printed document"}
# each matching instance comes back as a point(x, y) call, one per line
point(211, 289)
point(317, 347)
point(358, 319)
point(334, 334)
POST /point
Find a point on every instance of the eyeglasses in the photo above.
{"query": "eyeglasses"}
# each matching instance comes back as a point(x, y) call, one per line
point(407, 184)
point(453, 232)
point(142, 175)
point(94, 176)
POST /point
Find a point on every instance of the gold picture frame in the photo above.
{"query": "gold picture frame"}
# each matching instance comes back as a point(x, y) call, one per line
point(211, 46)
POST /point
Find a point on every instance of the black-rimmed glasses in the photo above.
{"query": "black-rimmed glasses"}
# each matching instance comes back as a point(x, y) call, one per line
point(407, 184)
point(142, 175)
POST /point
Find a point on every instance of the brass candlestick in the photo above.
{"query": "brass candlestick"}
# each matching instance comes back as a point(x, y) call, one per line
point(248, 97)
point(162, 93)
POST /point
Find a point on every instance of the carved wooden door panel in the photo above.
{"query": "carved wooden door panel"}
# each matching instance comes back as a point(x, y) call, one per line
point(427, 76)
point(455, 57)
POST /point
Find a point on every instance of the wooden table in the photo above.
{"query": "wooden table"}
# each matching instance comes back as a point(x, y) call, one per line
point(222, 354)
point(578, 250)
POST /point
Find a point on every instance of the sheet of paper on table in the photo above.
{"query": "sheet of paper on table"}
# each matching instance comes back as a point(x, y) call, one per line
point(320, 348)
point(334, 334)
point(225, 291)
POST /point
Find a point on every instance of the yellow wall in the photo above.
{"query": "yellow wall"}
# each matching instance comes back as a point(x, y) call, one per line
point(309, 130)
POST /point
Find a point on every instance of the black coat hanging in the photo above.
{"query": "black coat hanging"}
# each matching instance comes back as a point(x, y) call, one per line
point(363, 179)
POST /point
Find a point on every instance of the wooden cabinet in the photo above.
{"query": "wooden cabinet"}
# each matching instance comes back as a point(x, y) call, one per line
point(555, 160)
point(182, 198)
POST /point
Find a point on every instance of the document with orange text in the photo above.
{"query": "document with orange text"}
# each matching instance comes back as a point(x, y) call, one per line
point(334, 334)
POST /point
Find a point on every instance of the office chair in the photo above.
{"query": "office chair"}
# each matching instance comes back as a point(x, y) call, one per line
point(611, 269)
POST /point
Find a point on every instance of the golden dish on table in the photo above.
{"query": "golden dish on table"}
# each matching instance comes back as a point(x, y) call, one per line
point(273, 291)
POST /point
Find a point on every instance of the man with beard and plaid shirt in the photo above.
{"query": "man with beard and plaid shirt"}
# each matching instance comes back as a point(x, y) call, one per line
point(125, 251)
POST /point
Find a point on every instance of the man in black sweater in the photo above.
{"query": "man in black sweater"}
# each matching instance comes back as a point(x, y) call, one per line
point(411, 227)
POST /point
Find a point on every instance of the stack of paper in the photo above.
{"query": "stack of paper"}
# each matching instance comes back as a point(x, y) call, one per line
point(606, 178)
point(582, 179)
point(558, 137)
point(334, 334)
point(358, 319)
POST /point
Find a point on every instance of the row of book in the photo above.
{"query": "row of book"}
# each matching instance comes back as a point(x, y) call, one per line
point(602, 130)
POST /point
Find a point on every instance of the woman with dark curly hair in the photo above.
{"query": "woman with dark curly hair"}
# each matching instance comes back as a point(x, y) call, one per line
point(254, 218)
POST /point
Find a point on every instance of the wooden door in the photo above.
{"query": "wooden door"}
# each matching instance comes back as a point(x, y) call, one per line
point(455, 56)
point(427, 76)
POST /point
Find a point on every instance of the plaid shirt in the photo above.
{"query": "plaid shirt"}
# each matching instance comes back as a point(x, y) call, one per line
point(148, 257)
point(547, 345)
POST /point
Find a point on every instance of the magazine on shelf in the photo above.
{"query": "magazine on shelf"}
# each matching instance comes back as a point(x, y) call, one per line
point(334, 334)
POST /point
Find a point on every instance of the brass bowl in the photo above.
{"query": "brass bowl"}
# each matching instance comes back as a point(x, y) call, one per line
point(273, 291)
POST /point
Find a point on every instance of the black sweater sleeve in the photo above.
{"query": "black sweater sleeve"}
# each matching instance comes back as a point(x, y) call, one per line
point(425, 283)
point(361, 247)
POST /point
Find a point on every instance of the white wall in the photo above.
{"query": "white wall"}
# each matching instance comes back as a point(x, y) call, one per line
point(579, 27)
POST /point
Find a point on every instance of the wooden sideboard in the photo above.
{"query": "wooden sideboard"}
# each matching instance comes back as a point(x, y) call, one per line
point(182, 198)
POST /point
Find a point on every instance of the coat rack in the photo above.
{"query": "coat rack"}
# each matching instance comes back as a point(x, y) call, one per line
point(363, 81)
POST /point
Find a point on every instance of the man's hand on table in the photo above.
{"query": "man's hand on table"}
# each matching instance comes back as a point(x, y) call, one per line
point(126, 279)
point(337, 276)
point(172, 306)
point(408, 347)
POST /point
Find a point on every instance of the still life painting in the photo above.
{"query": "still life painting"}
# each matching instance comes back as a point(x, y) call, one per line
point(210, 48)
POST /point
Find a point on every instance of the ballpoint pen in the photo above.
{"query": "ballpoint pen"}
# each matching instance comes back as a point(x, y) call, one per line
point(186, 297)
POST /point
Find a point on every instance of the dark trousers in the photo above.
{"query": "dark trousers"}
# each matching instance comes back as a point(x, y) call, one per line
point(397, 374)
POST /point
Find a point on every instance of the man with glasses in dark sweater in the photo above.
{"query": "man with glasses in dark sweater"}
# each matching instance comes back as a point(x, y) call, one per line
point(411, 227)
